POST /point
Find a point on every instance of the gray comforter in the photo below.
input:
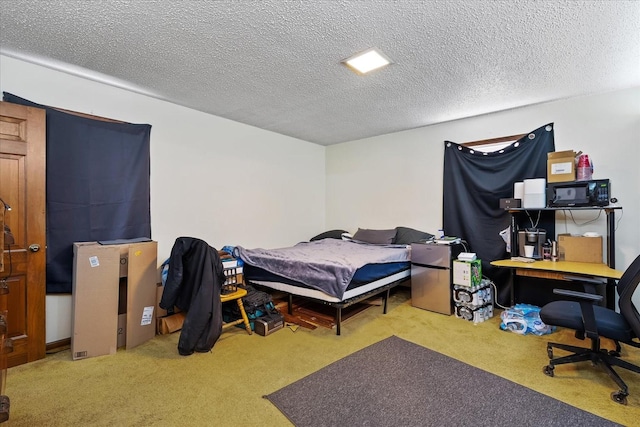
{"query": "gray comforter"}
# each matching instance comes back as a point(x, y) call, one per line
point(327, 265)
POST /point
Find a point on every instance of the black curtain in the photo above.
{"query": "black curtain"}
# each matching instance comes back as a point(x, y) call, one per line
point(474, 183)
point(98, 185)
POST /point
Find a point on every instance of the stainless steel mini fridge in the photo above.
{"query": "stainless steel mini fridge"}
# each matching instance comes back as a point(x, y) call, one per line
point(431, 287)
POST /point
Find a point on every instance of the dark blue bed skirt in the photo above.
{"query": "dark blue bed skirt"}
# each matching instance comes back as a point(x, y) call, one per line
point(366, 274)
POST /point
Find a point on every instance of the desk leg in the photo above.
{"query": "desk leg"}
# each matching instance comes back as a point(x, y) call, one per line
point(512, 286)
point(514, 236)
point(611, 239)
point(514, 252)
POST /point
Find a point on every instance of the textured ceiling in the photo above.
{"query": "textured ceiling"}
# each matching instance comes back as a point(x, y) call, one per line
point(276, 64)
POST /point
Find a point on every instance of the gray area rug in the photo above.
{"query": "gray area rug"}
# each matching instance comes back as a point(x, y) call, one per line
point(398, 383)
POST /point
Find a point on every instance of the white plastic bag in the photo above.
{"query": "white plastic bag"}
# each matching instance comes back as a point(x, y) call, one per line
point(524, 319)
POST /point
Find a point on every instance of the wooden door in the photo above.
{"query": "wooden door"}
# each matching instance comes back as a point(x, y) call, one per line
point(22, 187)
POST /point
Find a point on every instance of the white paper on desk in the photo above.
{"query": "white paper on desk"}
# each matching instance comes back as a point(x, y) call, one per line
point(506, 236)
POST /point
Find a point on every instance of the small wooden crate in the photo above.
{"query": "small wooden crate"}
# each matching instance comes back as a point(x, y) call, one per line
point(234, 278)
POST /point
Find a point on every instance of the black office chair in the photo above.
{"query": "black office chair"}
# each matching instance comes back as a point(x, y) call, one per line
point(593, 321)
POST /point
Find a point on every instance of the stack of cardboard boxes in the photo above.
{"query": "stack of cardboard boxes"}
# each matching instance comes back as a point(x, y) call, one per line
point(114, 296)
point(561, 167)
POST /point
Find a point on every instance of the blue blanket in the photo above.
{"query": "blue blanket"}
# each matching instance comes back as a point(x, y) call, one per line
point(327, 265)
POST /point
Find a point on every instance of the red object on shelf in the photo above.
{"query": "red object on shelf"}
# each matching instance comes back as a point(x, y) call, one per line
point(585, 168)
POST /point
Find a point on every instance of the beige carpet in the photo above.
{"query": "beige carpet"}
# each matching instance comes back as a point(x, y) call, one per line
point(153, 386)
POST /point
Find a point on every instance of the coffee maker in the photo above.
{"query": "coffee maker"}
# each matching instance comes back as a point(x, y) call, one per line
point(535, 237)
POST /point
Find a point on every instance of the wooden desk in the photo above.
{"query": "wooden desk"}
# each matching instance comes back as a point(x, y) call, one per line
point(556, 270)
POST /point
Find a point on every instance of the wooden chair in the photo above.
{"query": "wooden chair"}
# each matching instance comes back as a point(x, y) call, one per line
point(236, 295)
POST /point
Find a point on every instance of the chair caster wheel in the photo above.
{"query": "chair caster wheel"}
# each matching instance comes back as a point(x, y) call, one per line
point(548, 370)
point(550, 352)
point(619, 397)
point(614, 353)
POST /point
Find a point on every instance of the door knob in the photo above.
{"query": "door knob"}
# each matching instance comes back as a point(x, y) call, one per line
point(34, 247)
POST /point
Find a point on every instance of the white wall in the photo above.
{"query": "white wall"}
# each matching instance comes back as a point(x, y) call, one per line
point(230, 183)
point(211, 178)
point(396, 179)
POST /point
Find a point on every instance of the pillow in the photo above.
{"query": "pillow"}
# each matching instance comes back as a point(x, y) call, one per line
point(375, 236)
point(406, 235)
point(332, 234)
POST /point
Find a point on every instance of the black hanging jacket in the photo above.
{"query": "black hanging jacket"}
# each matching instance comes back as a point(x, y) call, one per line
point(193, 285)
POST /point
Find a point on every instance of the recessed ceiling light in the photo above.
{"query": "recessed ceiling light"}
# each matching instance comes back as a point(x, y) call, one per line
point(367, 61)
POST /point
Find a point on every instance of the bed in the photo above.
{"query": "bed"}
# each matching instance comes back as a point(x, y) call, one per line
point(335, 272)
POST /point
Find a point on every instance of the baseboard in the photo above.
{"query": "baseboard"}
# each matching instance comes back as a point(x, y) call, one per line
point(60, 345)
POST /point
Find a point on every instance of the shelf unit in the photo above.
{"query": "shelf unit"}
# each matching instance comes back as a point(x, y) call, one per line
point(611, 230)
point(610, 238)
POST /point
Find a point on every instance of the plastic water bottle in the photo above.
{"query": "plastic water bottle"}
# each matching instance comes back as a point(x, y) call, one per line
point(585, 168)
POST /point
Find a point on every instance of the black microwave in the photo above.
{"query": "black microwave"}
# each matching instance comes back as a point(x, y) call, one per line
point(579, 193)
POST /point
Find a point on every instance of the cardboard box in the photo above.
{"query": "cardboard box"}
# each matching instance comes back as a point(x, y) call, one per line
point(561, 166)
point(101, 297)
point(579, 248)
point(122, 330)
point(161, 324)
point(160, 312)
point(95, 301)
point(170, 324)
point(467, 273)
